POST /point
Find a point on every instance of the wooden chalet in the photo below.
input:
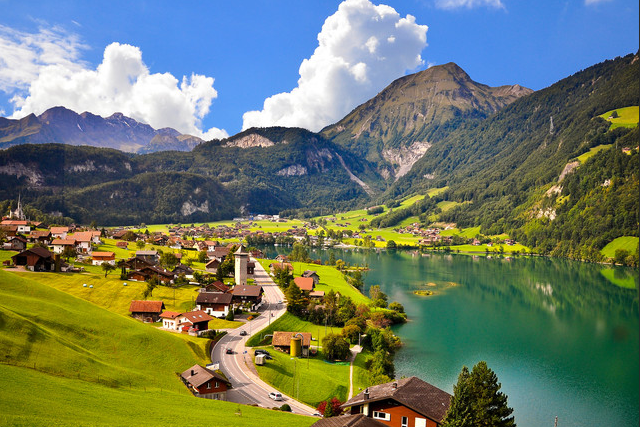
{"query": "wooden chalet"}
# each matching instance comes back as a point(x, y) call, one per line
point(22, 226)
point(316, 295)
point(40, 236)
point(313, 275)
point(212, 266)
point(182, 269)
point(148, 272)
point(194, 320)
point(282, 341)
point(169, 320)
point(137, 263)
point(35, 259)
point(15, 243)
point(216, 286)
point(98, 258)
point(247, 294)
point(147, 311)
point(214, 303)
point(149, 256)
point(205, 383)
point(407, 402)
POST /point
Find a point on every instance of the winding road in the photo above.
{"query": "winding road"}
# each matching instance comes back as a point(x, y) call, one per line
point(247, 387)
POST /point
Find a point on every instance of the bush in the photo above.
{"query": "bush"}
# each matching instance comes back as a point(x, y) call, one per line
point(285, 408)
point(230, 316)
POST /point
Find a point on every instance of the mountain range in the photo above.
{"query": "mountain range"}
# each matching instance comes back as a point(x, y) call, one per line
point(500, 153)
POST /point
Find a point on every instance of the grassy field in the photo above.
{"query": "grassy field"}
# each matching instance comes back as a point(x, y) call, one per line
point(585, 156)
point(628, 243)
point(627, 117)
point(30, 398)
point(290, 323)
point(315, 380)
point(360, 372)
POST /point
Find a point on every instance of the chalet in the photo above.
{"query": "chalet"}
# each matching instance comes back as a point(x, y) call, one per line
point(40, 236)
point(9, 230)
point(205, 383)
point(15, 243)
point(59, 245)
point(313, 275)
point(98, 258)
point(137, 263)
point(408, 402)
point(282, 341)
point(304, 283)
point(149, 256)
point(122, 244)
point(169, 320)
point(282, 258)
point(211, 245)
point(59, 232)
point(85, 239)
point(216, 286)
point(22, 226)
point(357, 420)
point(194, 320)
point(212, 266)
point(219, 253)
point(247, 294)
point(118, 234)
point(147, 311)
point(214, 303)
point(182, 269)
point(35, 259)
point(147, 273)
point(257, 253)
point(316, 295)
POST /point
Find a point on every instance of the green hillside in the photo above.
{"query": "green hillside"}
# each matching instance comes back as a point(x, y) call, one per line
point(82, 359)
point(622, 117)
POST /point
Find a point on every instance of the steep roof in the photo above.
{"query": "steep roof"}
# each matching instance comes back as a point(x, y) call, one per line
point(201, 375)
point(197, 316)
point(41, 252)
point(170, 314)
point(411, 392)
point(304, 283)
point(64, 242)
point(103, 254)
point(284, 338)
point(357, 420)
point(146, 306)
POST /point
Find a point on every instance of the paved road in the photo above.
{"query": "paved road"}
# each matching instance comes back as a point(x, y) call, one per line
point(247, 387)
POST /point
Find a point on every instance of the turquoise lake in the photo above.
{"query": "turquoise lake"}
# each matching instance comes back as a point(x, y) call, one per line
point(562, 339)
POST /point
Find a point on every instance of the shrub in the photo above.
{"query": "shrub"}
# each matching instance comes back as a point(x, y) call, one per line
point(285, 408)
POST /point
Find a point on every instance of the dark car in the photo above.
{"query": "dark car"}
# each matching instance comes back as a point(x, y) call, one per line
point(229, 350)
point(243, 333)
point(261, 351)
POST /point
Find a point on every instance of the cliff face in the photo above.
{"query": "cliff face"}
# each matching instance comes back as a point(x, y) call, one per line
point(393, 128)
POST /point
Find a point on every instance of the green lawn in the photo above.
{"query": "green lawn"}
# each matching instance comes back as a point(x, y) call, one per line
point(290, 323)
point(29, 398)
point(628, 117)
point(585, 156)
point(315, 380)
point(360, 372)
point(628, 243)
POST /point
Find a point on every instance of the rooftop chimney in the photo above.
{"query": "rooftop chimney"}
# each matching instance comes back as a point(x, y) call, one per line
point(193, 372)
point(366, 393)
point(394, 386)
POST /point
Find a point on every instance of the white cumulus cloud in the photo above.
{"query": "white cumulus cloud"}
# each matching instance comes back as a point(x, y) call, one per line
point(44, 70)
point(469, 4)
point(361, 49)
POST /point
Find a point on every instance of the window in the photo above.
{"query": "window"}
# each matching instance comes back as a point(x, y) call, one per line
point(405, 422)
point(208, 385)
point(217, 385)
point(377, 415)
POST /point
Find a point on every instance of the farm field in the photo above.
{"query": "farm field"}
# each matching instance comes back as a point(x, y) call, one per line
point(289, 322)
point(628, 117)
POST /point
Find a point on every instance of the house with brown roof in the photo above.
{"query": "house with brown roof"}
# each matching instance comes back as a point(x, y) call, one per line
point(408, 402)
point(59, 245)
point(59, 232)
point(15, 243)
point(357, 420)
point(216, 286)
point(205, 383)
point(41, 236)
point(148, 272)
point(22, 226)
point(169, 319)
point(304, 283)
point(193, 321)
point(147, 311)
point(280, 265)
point(98, 258)
point(282, 341)
point(84, 240)
point(214, 303)
point(247, 294)
point(212, 266)
point(35, 259)
point(313, 275)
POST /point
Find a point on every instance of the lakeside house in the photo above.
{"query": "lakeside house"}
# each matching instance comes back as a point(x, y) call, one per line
point(409, 402)
point(205, 383)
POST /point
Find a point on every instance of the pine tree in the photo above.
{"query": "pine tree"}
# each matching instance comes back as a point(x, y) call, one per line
point(477, 400)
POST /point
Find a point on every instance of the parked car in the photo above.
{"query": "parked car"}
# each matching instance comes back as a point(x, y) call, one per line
point(243, 333)
point(262, 351)
point(229, 350)
point(275, 395)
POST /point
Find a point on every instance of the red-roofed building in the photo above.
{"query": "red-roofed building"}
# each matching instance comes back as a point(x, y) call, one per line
point(198, 320)
point(205, 383)
point(147, 311)
point(98, 258)
point(60, 244)
point(304, 283)
point(169, 319)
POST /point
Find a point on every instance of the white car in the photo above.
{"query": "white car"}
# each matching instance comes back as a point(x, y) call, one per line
point(275, 396)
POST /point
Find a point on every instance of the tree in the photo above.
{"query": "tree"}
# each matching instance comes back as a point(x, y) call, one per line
point(140, 244)
point(478, 401)
point(335, 347)
point(295, 299)
point(299, 253)
point(391, 244)
point(396, 306)
point(168, 260)
point(68, 252)
point(107, 268)
point(330, 408)
point(202, 256)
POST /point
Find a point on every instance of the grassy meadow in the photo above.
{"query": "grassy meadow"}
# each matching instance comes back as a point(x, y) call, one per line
point(628, 243)
point(627, 117)
point(290, 323)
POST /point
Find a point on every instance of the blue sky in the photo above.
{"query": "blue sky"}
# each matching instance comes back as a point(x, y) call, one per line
point(202, 66)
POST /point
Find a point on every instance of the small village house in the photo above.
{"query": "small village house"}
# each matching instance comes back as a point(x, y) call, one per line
point(98, 258)
point(147, 311)
point(214, 303)
point(357, 420)
point(15, 243)
point(23, 227)
point(169, 320)
point(40, 236)
point(149, 256)
point(409, 402)
point(194, 320)
point(304, 283)
point(59, 245)
point(59, 232)
point(313, 275)
point(35, 259)
point(205, 383)
point(251, 294)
